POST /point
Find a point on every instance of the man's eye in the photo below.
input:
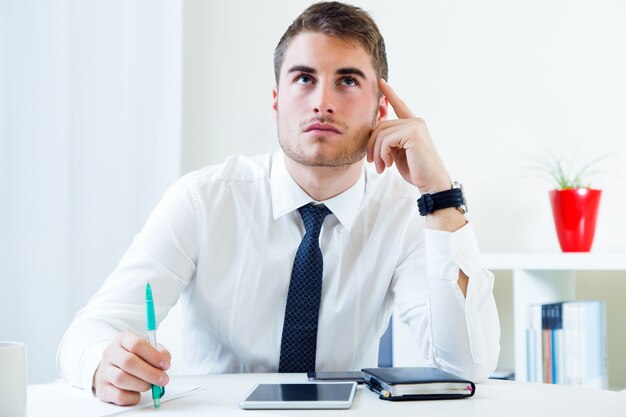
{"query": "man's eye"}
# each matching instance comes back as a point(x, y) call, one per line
point(304, 79)
point(348, 81)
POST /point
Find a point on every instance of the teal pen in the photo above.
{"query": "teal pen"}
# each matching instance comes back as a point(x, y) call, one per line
point(157, 391)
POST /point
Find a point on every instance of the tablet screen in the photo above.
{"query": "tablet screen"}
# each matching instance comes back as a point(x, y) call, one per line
point(307, 395)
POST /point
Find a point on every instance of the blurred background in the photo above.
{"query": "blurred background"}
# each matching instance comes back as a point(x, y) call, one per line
point(103, 104)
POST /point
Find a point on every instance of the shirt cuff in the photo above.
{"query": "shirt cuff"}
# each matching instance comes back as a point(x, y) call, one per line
point(91, 360)
point(447, 252)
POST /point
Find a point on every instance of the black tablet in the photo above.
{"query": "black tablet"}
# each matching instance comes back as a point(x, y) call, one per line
point(326, 395)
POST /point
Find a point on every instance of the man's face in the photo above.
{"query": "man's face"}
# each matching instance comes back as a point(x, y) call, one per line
point(326, 102)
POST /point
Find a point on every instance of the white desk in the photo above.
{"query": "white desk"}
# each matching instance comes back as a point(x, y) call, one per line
point(492, 399)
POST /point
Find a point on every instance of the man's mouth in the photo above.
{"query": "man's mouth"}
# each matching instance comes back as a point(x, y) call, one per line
point(322, 127)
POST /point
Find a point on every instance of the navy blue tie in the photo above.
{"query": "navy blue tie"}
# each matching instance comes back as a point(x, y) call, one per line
point(299, 341)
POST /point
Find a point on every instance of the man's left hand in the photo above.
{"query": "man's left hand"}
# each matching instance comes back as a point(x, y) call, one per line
point(407, 143)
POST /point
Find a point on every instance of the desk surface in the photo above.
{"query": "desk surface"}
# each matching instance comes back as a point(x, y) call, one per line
point(492, 398)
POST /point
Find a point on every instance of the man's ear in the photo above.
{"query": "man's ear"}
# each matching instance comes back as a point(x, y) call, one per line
point(275, 99)
point(383, 109)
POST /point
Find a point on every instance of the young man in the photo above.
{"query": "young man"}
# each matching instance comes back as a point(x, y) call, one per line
point(293, 261)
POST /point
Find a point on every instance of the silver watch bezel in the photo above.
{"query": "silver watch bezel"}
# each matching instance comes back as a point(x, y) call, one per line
point(462, 208)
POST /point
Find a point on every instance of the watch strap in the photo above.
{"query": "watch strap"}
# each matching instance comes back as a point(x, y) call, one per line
point(429, 203)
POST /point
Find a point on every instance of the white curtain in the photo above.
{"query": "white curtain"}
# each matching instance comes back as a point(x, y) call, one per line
point(90, 138)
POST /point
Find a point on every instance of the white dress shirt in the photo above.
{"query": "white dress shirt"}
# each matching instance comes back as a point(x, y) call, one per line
point(222, 242)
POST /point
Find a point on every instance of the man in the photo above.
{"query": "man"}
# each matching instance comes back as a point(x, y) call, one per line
point(293, 261)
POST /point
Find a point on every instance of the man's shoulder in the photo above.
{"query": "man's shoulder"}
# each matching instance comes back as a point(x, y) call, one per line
point(237, 171)
point(236, 168)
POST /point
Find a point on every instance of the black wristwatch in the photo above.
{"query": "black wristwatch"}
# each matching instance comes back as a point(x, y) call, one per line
point(428, 203)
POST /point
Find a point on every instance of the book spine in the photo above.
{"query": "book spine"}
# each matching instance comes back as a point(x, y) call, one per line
point(534, 371)
point(573, 339)
point(537, 340)
point(558, 360)
point(529, 346)
point(546, 335)
point(595, 359)
point(584, 328)
point(530, 360)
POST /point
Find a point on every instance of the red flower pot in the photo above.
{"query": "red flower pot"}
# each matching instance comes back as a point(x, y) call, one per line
point(575, 213)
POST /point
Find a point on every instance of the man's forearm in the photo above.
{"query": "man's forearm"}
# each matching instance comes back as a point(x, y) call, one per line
point(449, 220)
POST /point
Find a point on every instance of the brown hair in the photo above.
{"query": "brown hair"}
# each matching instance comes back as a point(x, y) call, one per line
point(344, 21)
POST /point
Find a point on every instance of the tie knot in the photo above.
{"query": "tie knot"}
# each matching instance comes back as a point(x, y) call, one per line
point(313, 217)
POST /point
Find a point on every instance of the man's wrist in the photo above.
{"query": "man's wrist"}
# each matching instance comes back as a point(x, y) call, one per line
point(436, 187)
point(451, 197)
point(447, 220)
point(445, 211)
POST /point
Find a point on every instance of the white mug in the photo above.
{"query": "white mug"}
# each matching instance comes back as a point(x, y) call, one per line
point(12, 379)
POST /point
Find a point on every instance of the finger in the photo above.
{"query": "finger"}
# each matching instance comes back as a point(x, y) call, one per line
point(391, 141)
point(387, 124)
point(111, 394)
point(371, 143)
point(168, 356)
point(380, 138)
point(123, 380)
point(378, 162)
point(134, 365)
point(141, 348)
point(135, 356)
point(382, 126)
point(399, 107)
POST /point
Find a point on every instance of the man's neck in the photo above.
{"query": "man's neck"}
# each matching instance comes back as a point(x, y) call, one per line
point(322, 183)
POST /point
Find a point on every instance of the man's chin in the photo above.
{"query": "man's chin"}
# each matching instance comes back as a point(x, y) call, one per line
point(325, 160)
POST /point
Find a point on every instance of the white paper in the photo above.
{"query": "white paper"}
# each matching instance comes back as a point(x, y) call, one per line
point(63, 400)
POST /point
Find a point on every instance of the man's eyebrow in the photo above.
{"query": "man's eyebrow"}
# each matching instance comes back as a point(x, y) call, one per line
point(351, 71)
point(301, 68)
point(340, 71)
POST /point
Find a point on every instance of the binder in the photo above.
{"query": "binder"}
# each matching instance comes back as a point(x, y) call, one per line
point(417, 383)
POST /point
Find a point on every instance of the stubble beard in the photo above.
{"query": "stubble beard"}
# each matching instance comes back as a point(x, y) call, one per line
point(354, 149)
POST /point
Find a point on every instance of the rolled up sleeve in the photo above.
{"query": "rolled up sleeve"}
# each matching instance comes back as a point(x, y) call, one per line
point(455, 333)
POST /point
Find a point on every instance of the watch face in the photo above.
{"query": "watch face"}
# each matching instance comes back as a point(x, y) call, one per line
point(463, 208)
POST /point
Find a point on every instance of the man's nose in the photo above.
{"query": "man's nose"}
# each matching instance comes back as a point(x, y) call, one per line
point(324, 104)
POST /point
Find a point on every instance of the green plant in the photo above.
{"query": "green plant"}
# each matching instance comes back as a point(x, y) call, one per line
point(570, 178)
point(564, 174)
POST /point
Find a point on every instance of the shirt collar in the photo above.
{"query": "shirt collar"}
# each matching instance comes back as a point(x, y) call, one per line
point(287, 195)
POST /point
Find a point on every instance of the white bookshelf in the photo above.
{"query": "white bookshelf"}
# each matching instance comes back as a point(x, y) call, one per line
point(537, 278)
point(555, 261)
point(544, 278)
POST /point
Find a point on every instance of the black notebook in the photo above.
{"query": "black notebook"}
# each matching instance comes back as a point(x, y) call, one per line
point(398, 384)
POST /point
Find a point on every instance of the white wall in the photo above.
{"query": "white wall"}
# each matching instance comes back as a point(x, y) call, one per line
point(35, 183)
point(90, 97)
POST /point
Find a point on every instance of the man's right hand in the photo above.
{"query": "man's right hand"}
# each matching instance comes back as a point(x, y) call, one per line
point(130, 366)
